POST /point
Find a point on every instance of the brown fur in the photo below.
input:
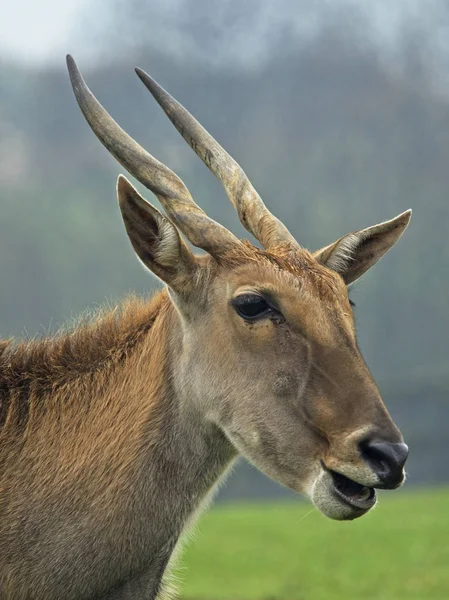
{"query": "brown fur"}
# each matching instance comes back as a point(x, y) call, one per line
point(114, 435)
point(91, 348)
point(104, 434)
point(104, 340)
point(299, 262)
point(82, 411)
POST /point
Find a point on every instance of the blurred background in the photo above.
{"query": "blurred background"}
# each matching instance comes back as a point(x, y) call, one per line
point(339, 113)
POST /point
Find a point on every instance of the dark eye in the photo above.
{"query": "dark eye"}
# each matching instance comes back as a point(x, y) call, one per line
point(251, 307)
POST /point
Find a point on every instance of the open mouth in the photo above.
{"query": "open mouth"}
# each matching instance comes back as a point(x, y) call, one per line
point(353, 493)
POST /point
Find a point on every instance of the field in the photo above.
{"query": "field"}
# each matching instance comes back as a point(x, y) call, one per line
point(288, 552)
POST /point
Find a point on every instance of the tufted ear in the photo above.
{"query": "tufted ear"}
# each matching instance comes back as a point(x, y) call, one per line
point(353, 254)
point(155, 239)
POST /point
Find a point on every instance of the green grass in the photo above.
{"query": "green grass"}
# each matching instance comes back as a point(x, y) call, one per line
point(287, 552)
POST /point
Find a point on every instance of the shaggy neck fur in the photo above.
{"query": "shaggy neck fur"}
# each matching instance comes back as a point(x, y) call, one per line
point(101, 466)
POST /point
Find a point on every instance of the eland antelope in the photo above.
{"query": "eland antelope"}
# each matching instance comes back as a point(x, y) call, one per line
point(113, 436)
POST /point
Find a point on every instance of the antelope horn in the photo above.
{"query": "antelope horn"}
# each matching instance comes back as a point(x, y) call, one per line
point(253, 213)
point(172, 193)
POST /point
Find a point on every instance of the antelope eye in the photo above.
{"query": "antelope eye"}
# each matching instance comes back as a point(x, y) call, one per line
point(251, 307)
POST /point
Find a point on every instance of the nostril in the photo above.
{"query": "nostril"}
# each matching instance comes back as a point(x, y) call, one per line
point(374, 454)
point(386, 459)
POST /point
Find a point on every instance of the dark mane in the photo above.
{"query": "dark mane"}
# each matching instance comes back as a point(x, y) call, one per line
point(42, 365)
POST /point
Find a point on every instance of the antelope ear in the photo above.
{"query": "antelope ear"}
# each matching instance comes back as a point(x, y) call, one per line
point(353, 254)
point(155, 239)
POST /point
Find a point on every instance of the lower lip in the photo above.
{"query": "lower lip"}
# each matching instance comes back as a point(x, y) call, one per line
point(362, 505)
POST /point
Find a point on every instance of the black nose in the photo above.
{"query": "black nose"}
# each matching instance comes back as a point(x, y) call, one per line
point(387, 461)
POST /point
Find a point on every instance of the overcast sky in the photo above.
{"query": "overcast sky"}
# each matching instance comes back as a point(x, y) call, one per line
point(35, 30)
point(44, 30)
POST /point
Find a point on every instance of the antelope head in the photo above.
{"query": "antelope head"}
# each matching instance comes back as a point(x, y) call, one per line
point(269, 350)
